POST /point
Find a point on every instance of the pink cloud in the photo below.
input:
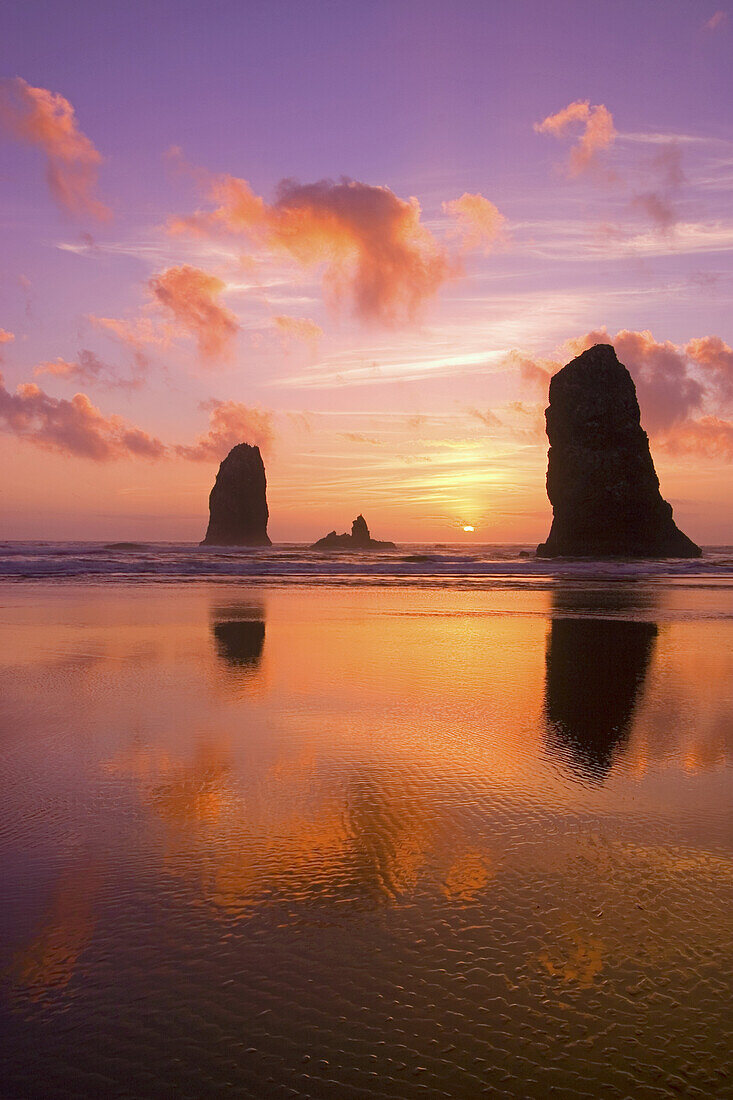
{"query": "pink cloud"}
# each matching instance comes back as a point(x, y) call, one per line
point(230, 422)
point(190, 295)
point(42, 118)
point(719, 19)
point(595, 128)
point(715, 357)
point(299, 328)
point(373, 249)
point(73, 428)
point(480, 225)
point(87, 368)
point(486, 416)
point(674, 385)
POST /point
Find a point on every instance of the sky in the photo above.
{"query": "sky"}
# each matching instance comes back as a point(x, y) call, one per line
point(362, 237)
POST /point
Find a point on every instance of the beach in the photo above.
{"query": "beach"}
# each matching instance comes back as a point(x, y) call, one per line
point(450, 826)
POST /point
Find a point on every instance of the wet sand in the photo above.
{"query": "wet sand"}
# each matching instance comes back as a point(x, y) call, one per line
point(354, 842)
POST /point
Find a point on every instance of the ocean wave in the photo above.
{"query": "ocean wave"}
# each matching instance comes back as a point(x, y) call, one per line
point(437, 564)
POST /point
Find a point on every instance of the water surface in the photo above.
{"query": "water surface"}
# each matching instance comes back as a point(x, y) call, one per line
point(362, 840)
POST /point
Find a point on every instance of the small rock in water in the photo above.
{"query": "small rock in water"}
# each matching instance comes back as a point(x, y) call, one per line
point(359, 539)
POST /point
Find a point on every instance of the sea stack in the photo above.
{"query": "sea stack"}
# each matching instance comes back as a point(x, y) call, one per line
point(601, 479)
point(238, 502)
point(359, 539)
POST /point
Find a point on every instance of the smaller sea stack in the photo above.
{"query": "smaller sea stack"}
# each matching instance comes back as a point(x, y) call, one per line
point(359, 539)
point(601, 479)
point(238, 502)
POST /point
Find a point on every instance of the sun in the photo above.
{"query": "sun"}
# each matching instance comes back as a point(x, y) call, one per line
point(468, 527)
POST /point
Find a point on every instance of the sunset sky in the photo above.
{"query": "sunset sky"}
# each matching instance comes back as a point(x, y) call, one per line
point(362, 236)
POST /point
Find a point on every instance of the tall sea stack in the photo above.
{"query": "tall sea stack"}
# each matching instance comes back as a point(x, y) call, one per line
point(238, 503)
point(601, 479)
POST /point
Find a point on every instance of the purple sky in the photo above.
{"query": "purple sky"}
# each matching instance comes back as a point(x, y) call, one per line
point(427, 422)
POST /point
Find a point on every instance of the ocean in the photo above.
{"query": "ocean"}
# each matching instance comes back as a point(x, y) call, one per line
point(435, 822)
point(429, 565)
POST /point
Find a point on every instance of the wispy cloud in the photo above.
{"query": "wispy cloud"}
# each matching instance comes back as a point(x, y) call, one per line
point(47, 120)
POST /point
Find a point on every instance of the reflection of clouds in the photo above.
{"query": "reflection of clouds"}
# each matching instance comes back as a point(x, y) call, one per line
point(46, 964)
point(296, 834)
point(468, 875)
point(635, 906)
point(576, 957)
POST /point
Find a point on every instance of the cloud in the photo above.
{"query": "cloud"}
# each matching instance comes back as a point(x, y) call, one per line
point(666, 390)
point(135, 335)
point(658, 203)
point(5, 338)
point(47, 120)
point(674, 384)
point(487, 417)
point(597, 132)
point(376, 254)
point(230, 423)
point(715, 357)
point(479, 223)
point(299, 328)
point(73, 428)
point(719, 19)
point(190, 295)
point(535, 372)
point(657, 208)
point(709, 436)
point(87, 368)
point(357, 437)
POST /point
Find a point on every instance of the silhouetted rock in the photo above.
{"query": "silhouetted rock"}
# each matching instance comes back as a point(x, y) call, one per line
point(359, 539)
point(601, 479)
point(595, 671)
point(238, 503)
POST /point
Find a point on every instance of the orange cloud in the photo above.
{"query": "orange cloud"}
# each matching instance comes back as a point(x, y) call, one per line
point(190, 294)
point(74, 427)
point(716, 358)
point(480, 224)
point(47, 120)
point(134, 335)
point(299, 328)
point(5, 338)
point(230, 423)
point(708, 436)
point(667, 393)
point(673, 383)
point(597, 134)
point(374, 251)
point(487, 417)
point(88, 368)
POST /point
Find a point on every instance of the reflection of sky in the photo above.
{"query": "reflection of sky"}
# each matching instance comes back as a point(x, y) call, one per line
point(375, 781)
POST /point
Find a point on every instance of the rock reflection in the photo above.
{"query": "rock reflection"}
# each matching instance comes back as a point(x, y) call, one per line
point(595, 672)
point(239, 634)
